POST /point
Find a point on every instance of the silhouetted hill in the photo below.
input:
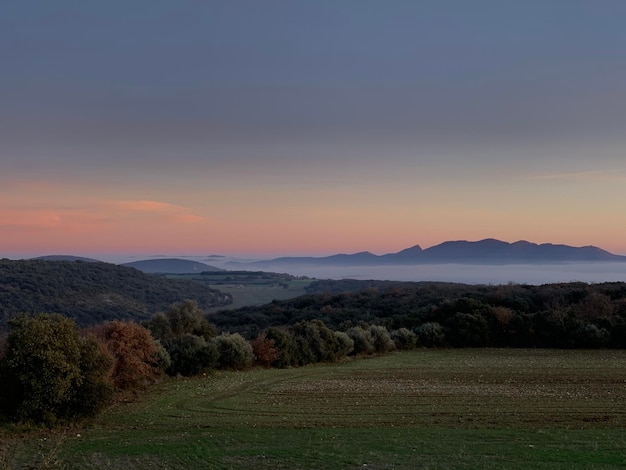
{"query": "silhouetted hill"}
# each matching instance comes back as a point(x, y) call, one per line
point(93, 292)
point(488, 251)
point(170, 266)
point(496, 251)
point(66, 258)
point(363, 258)
point(406, 256)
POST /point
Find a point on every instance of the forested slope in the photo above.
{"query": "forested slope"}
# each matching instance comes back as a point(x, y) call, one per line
point(568, 315)
point(91, 293)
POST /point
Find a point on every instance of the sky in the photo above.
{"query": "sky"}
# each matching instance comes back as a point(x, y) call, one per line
point(281, 127)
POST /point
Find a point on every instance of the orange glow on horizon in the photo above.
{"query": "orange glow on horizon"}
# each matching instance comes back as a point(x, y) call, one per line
point(318, 221)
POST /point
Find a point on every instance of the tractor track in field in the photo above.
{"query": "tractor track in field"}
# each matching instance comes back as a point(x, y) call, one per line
point(321, 396)
point(516, 405)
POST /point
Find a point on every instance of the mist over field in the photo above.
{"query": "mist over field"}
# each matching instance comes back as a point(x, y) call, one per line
point(466, 273)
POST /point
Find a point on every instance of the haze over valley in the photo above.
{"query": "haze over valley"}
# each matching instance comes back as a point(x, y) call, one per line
point(487, 261)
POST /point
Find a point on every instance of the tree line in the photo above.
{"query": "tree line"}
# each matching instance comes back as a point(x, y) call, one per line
point(54, 373)
point(565, 315)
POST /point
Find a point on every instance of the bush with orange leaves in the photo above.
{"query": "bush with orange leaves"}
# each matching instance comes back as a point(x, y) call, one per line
point(138, 358)
point(265, 350)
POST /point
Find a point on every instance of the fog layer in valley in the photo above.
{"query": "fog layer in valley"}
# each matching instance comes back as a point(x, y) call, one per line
point(465, 273)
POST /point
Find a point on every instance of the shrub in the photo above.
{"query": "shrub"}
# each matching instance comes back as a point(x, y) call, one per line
point(159, 326)
point(381, 340)
point(135, 353)
point(184, 332)
point(588, 335)
point(431, 334)
point(234, 351)
point(468, 330)
point(163, 360)
point(50, 374)
point(362, 339)
point(180, 319)
point(345, 344)
point(404, 338)
point(191, 355)
point(303, 354)
point(319, 341)
point(96, 388)
point(285, 344)
point(264, 350)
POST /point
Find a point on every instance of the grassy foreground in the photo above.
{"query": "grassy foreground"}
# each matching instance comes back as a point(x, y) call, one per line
point(425, 409)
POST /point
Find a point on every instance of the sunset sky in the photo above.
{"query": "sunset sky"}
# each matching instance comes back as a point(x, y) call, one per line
point(272, 127)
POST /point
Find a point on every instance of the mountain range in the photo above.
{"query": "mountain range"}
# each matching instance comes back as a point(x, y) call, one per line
point(488, 251)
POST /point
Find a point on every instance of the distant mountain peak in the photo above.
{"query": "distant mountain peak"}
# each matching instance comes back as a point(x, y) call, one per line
point(413, 249)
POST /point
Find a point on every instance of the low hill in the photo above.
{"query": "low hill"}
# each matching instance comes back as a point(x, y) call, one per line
point(93, 292)
point(170, 266)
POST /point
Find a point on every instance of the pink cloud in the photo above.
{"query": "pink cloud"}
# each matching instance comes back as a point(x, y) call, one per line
point(153, 208)
point(13, 218)
point(95, 216)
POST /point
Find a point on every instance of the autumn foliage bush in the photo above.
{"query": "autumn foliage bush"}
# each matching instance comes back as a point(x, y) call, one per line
point(264, 349)
point(136, 354)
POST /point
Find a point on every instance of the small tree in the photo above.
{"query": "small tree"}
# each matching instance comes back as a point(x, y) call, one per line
point(404, 338)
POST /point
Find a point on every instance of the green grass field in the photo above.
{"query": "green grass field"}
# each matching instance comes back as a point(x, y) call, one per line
point(249, 287)
point(424, 409)
point(259, 294)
